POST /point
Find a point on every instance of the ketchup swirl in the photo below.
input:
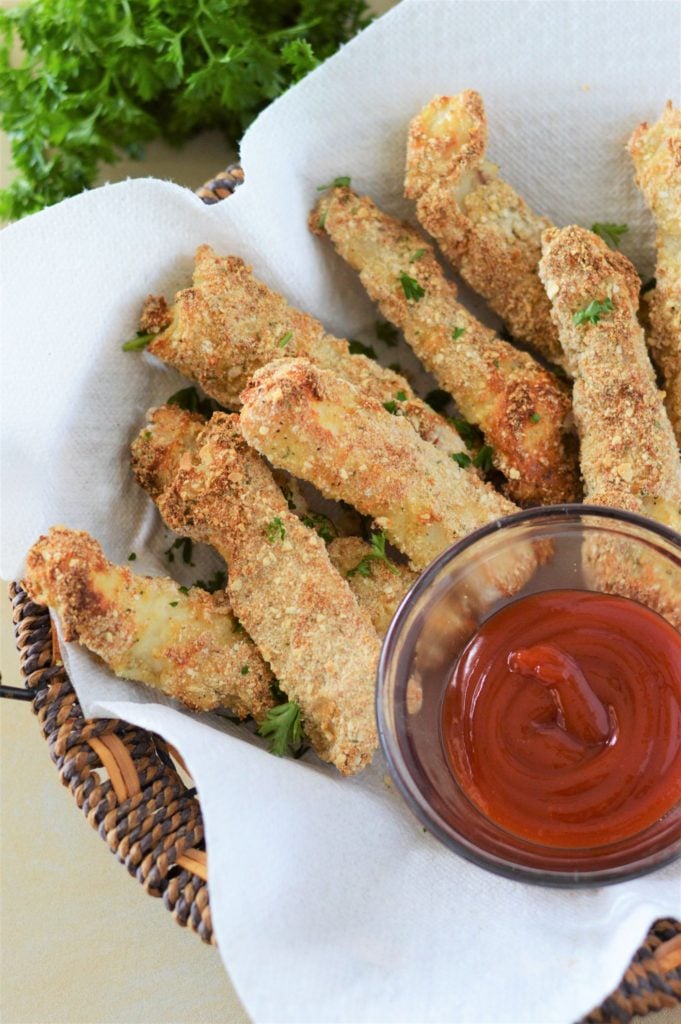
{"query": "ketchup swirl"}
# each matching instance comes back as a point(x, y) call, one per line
point(562, 719)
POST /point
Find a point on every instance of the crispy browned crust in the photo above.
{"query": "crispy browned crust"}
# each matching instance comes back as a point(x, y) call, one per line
point(656, 153)
point(381, 591)
point(188, 644)
point(289, 598)
point(155, 315)
point(521, 407)
point(319, 427)
point(629, 455)
point(229, 324)
point(170, 434)
point(482, 225)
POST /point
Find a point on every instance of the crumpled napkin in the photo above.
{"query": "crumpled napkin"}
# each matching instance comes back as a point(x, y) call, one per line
point(329, 901)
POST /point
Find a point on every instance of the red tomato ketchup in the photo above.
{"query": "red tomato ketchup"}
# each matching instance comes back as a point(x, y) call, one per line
point(562, 719)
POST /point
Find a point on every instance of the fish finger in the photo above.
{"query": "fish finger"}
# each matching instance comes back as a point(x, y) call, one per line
point(656, 154)
point(184, 642)
point(521, 408)
point(482, 225)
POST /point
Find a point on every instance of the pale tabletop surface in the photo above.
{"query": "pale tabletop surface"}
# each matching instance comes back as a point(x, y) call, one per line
point(81, 942)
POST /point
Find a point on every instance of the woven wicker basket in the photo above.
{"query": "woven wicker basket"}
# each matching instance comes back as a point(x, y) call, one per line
point(129, 784)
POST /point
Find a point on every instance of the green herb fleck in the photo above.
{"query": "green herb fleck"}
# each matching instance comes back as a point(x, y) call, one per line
point(174, 604)
point(284, 340)
point(610, 233)
point(392, 407)
point(245, 670)
point(189, 399)
point(284, 728)
point(411, 288)
point(386, 333)
point(342, 182)
point(139, 342)
point(300, 57)
point(438, 399)
point(469, 434)
point(457, 332)
point(275, 530)
point(461, 459)
point(377, 553)
point(321, 524)
point(401, 396)
point(484, 458)
point(218, 581)
point(535, 417)
point(132, 557)
point(356, 348)
point(593, 312)
point(184, 590)
point(415, 256)
point(185, 546)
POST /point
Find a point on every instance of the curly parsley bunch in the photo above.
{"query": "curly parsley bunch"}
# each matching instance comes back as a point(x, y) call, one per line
point(98, 80)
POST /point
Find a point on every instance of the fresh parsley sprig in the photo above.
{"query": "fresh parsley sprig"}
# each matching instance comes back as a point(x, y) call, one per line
point(610, 233)
point(275, 530)
point(593, 312)
point(284, 727)
point(482, 460)
point(413, 291)
point(377, 554)
point(137, 343)
point(341, 182)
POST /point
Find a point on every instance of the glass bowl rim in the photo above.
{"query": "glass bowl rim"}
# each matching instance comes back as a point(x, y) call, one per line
point(481, 858)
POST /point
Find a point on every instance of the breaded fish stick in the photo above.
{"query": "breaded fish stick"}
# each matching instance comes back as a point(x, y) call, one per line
point(656, 153)
point(379, 587)
point(185, 643)
point(629, 455)
point(284, 590)
point(229, 324)
point(482, 225)
point(321, 428)
point(520, 407)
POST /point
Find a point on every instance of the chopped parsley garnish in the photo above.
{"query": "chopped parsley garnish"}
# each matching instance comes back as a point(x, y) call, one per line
point(275, 530)
point(401, 396)
point(457, 332)
point(342, 182)
point(185, 545)
point(183, 590)
point(284, 728)
point(245, 670)
point(415, 256)
point(610, 233)
point(411, 288)
point(174, 604)
point(139, 342)
point(218, 581)
point(284, 340)
point(356, 348)
point(438, 399)
point(593, 312)
point(132, 556)
point(391, 407)
point(469, 434)
point(461, 459)
point(535, 417)
point(377, 553)
point(320, 524)
point(386, 333)
point(649, 285)
point(483, 460)
point(189, 399)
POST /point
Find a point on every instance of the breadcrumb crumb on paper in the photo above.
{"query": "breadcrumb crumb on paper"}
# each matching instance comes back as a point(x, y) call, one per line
point(656, 154)
point(185, 643)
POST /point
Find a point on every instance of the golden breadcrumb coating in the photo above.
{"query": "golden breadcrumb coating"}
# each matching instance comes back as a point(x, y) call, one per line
point(185, 643)
point(171, 433)
point(381, 590)
point(299, 611)
point(656, 153)
point(484, 228)
point(521, 408)
point(629, 455)
point(229, 324)
point(321, 428)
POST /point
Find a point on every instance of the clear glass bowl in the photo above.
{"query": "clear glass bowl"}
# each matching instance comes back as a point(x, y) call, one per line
point(561, 547)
